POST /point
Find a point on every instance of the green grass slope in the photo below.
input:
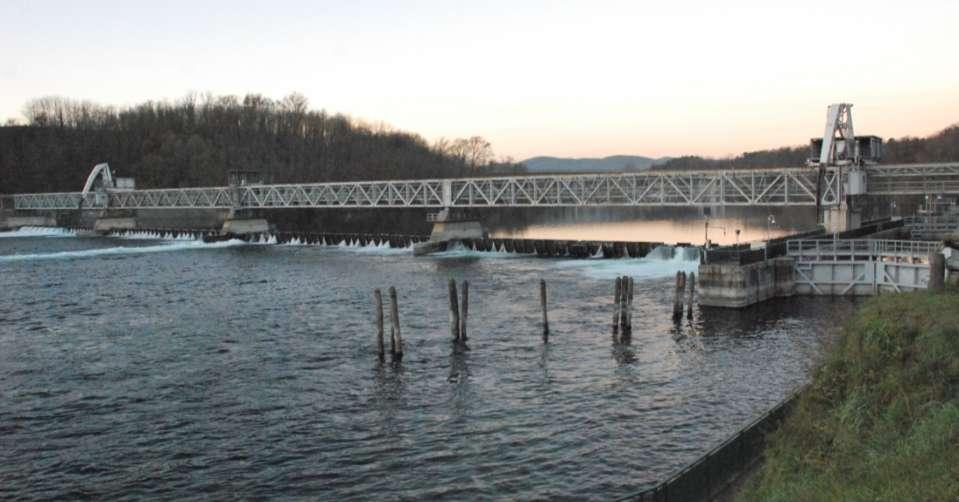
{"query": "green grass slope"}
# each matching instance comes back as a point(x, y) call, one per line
point(881, 418)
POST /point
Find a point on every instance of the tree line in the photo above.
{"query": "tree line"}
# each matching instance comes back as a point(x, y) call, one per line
point(940, 147)
point(197, 139)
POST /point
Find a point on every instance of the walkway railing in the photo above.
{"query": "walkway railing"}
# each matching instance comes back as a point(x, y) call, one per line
point(717, 469)
point(937, 226)
point(812, 250)
point(899, 186)
point(772, 187)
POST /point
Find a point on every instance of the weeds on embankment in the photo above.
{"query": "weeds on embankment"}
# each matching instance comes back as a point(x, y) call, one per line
point(880, 420)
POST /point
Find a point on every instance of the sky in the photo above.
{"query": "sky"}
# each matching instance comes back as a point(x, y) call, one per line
point(570, 79)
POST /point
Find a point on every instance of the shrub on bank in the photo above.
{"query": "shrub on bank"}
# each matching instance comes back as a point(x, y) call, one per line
point(880, 420)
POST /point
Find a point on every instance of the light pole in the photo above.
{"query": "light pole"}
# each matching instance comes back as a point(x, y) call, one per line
point(770, 221)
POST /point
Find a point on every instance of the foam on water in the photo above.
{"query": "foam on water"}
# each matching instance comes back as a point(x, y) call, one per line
point(263, 239)
point(139, 235)
point(92, 253)
point(661, 262)
point(351, 246)
point(383, 248)
point(458, 250)
point(39, 232)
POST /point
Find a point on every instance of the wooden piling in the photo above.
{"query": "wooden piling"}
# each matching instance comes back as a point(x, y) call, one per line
point(464, 310)
point(690, 294)
point(454, 312)
point(542, 301)
point(378, 308)
point(396, 346)
point(618, 288)
point(623, 306)
point(678, 295)
point(629, 308)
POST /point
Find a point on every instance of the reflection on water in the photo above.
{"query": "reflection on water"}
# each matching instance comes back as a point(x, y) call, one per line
point(720, 231)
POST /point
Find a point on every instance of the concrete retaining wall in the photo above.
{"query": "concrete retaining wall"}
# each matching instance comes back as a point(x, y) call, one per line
point(736, 286)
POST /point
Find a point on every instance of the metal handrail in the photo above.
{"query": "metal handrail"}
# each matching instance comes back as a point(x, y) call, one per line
point(818, 249)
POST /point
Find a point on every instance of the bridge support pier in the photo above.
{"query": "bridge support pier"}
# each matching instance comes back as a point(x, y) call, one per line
point(241, 223)
point(841, 218)
point(106, 223)
point(448, 228)
point(732, 285)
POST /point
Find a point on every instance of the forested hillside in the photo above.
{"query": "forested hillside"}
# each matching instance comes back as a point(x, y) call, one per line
point(940, 147)
point(196, 140)
point(615, 163)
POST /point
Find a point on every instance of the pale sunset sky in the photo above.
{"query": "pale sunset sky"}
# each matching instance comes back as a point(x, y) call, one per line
point(554, 78)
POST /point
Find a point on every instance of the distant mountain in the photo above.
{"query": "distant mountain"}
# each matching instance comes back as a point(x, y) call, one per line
point(615, 163)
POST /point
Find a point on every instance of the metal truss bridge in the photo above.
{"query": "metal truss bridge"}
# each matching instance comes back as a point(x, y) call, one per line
point(770, 187)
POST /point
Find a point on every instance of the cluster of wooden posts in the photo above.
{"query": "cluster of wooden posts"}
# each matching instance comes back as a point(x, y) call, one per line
point(459, 314)
point(687, 287)
point(459, 311)
point(396, 340)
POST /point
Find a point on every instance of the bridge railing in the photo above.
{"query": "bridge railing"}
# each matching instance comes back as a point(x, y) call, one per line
point(901, 186)
point(774, 187)
point(809, 250)
point(935, 227)
point(915, 170)
point(754, 187)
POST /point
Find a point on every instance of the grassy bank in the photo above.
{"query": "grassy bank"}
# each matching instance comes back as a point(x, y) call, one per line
point(881, 418)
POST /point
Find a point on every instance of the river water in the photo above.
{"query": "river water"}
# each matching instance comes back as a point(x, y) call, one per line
point(135, 368)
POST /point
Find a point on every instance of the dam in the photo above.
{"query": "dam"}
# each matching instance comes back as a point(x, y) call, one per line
point(247, 346)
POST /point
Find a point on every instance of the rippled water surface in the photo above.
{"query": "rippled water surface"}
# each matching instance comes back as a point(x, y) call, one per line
point(152, 368)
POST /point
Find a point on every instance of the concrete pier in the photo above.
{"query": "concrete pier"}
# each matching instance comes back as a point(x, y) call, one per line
point(732, 285)
point(244, 226)
point(13, 222)
point(105, 225)
point(448, 228)
point(841, 219)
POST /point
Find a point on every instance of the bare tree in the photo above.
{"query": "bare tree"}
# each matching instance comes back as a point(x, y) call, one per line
point(475, 151)
point(295, 103)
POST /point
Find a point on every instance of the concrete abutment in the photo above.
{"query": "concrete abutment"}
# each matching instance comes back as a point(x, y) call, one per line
point(732, 285)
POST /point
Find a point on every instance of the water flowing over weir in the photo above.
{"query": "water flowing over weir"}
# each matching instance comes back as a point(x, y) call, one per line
point(240, 367)
point(38, 232)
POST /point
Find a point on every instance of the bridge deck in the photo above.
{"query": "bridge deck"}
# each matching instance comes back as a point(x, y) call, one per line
point(772, 187)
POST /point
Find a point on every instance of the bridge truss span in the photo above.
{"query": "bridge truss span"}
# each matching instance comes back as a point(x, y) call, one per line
point(732, 188)
point(779, 187)
point(760, 187)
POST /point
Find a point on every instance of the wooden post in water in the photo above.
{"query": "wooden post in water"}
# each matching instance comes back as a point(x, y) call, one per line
point(454, 312)
point(629, 308)
point(542, 301)
point(397, 340)
point(378, 306)
point(618, 289)
point(691, 292)
point(624, 307)
point(464, 310)
point(678, 295)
